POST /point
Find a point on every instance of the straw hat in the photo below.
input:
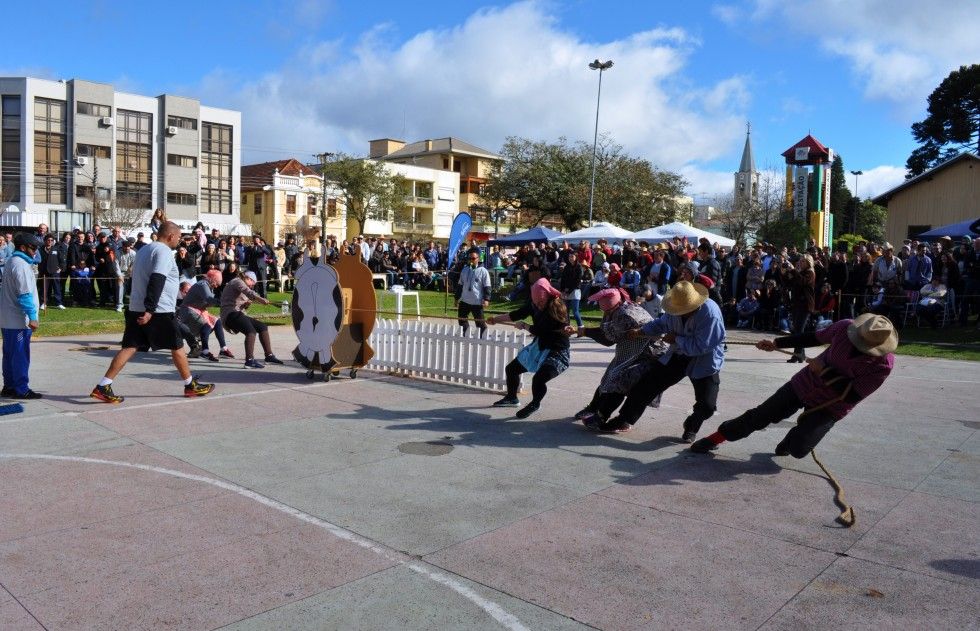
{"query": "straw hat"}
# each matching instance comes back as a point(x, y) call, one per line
point(684, 298)
point(873, 334)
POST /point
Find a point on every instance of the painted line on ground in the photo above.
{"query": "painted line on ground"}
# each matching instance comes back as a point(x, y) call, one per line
point(491, 608)
point(38, 417)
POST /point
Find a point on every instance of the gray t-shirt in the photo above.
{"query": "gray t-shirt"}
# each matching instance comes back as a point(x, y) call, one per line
point(155, 258)
point(18, 279)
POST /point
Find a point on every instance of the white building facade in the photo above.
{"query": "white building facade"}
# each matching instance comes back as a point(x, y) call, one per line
point(77, 152)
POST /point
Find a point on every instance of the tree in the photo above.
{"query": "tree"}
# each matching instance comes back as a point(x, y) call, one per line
point(787, 230)
point(368, 189)
point(738, 219)
point(871, 221)
point(552, 180)
point(953, 123)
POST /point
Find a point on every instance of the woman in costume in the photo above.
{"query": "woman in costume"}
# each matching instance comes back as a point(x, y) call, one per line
point(548, 355)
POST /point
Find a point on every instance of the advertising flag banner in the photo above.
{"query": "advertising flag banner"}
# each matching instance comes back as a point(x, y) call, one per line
point(457, 234)
point(800, 192)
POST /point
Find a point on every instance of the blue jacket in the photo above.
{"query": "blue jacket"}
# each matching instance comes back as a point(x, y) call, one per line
point(701, 338)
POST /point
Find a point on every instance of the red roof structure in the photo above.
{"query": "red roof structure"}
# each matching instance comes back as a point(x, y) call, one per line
point(816, 152)
point(255, 176)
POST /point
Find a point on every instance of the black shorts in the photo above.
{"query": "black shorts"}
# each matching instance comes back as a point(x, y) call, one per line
point(159, 333)
point(238, 322)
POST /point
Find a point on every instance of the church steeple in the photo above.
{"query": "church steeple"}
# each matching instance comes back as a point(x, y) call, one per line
point(748, 162)
point(747, 178)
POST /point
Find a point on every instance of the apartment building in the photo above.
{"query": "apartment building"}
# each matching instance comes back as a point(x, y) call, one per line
point(283, 198)
point(77, 152)
point(472, 163)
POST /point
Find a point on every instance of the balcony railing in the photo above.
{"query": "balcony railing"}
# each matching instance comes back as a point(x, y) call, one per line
point(412, 227)
point(418, 201)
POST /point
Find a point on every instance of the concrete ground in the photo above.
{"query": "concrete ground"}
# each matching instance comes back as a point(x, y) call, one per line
point(389, 503)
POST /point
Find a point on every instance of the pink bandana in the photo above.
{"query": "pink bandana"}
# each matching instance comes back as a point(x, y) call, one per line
point(541, 291)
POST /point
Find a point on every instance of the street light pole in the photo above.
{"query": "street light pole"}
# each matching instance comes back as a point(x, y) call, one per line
point(322, 157)
point(856, 205)
point(600, 66)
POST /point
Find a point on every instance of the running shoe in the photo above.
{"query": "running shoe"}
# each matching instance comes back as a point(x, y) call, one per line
point(195, 389)
point(254, 363)
point(30, 394)
point(227, 353)
point(105, 394)
point(614, 426)
point(272, 359)
point(7, 392)
point(208, 355)
point(703, 446)
point(528, 409)
point(507, 402)
point(583, 413)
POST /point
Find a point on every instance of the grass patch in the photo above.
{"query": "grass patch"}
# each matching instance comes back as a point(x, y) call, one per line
point(948, 343)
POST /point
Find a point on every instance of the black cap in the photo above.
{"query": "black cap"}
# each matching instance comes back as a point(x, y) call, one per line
point(26, 238)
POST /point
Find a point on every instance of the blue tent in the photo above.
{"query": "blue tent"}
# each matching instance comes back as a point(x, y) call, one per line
point(953, 231)
point(536, 234)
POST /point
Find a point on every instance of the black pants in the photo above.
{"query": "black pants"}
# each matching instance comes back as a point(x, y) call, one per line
point(654, 383)
point(477, 310)
point(800, 319)
point(539, 386)
point(783, 404)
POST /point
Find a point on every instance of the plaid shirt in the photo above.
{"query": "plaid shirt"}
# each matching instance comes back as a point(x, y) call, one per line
point(866, 373)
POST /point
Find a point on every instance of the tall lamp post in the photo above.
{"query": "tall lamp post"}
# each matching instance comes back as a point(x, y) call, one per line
point(600, 66)
point(854, 215)
point(323, 157)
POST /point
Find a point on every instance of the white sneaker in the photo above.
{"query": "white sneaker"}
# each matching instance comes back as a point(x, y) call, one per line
point(61, 307)
point(119, 309)
point(43, 307)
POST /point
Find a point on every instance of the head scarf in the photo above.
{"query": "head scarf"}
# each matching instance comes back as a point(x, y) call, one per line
point(614, 267)
point(609, 299)
point(541, 291)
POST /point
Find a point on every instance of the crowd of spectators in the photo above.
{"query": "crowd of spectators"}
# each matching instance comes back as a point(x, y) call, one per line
point(765, 287)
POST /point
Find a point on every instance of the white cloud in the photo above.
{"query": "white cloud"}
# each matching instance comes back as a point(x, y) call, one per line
point(502, 72)
point(898, 49)
point(877, 180)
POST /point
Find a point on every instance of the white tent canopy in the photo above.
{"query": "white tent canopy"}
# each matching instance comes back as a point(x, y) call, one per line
point(600, 230)
point(679, 229)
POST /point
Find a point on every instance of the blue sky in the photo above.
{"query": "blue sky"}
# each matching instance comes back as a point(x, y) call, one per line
point(314, 76)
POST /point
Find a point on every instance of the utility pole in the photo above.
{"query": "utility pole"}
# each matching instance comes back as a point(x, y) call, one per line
point(323, 157)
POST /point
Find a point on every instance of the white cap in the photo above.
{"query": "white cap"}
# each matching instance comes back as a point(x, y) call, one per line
point(252, 275)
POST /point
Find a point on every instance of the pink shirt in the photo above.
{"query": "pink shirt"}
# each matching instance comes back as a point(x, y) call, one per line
point(866, 373)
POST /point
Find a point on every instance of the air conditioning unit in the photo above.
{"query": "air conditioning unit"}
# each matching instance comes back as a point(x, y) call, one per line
point(104, 205)
point(81, 161)
point(171, 131)
point(106, 121)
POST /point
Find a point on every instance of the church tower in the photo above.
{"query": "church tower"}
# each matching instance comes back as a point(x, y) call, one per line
point(747, 178)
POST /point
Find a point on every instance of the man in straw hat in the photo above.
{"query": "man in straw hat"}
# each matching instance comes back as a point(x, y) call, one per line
point(856, 363)
point(695, 329)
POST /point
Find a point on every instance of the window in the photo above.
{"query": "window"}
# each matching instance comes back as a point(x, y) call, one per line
point(93, 151)
point(331, 207)
point(86, 192)
point(311, 204)
point(176, 160)
point(93, 109)
point(134, 156)
point(216, 178)
point(290, 204)
point(184, 199)
point(181, 121)
point(50, 177)
point(10, 165)
point(445, 163)
point(257, 201)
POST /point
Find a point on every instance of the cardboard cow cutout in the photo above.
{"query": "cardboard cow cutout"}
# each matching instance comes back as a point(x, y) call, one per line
point(334, 308)
point(317, 310)
point(351, 348)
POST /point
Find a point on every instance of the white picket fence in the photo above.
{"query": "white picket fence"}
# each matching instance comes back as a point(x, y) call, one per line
point(440, 352)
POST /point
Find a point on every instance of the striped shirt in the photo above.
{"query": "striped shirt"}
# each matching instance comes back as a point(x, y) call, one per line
point(866, 372)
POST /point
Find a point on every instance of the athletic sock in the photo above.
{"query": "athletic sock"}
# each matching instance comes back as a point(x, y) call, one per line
point(105, 381)
point(188, 381)
point(716, 438)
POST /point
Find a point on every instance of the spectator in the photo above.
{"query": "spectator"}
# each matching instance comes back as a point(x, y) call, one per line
point(18, 316)
point(236, 297)
point(747, 308)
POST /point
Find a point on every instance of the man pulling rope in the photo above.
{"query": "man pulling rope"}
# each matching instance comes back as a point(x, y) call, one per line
point(859, 359)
